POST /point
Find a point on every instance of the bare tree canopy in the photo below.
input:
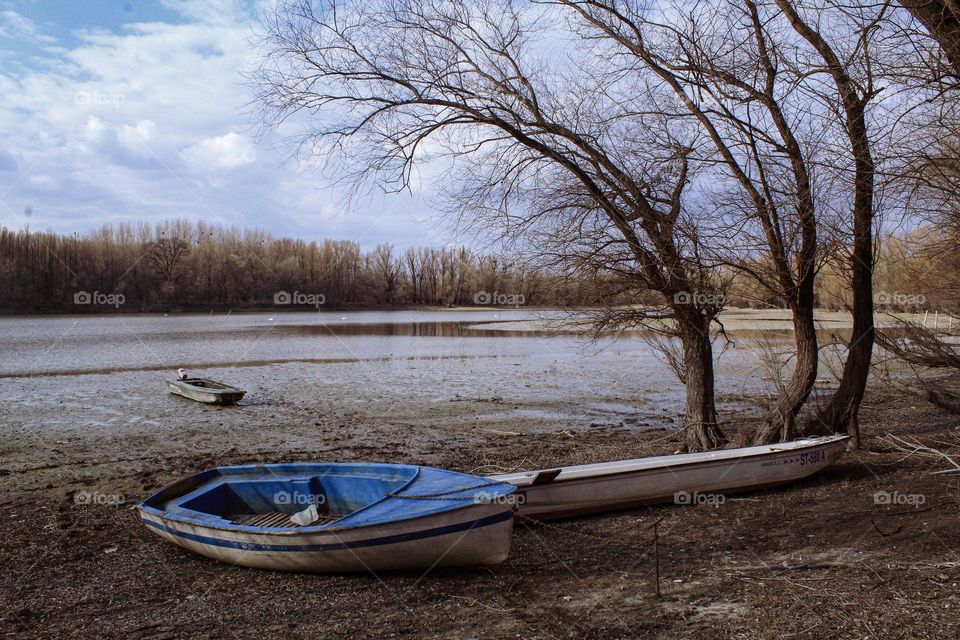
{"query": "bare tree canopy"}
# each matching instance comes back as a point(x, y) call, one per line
point(672, 148)
point(559, 147)
point(736, 78)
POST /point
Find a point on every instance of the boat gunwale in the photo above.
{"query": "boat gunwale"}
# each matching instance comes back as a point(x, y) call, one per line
point(585, 472)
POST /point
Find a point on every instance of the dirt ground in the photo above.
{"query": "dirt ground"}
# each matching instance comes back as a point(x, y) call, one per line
point(823, 558)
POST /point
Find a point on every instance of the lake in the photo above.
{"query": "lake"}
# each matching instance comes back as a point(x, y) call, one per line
point(108, 371)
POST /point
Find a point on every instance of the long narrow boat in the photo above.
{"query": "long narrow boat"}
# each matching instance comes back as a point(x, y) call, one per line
point(205, 390)
point(336, 517)
point(685, 479)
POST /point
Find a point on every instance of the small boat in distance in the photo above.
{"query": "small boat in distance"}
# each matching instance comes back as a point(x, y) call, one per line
point(204, 389)
point(691, 478)
point(336, 517)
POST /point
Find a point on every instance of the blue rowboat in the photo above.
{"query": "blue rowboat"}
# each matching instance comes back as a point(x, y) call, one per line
point(336, 517)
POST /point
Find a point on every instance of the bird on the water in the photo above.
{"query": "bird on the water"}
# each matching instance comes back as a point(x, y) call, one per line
point(182, 374)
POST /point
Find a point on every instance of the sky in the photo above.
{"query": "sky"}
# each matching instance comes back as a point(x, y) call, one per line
point(127, 110)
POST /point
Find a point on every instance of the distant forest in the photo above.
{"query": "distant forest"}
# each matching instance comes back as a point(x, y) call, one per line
point(183, 266)
point(180, 265)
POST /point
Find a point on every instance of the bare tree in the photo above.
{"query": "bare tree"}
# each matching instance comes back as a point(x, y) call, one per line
point(573, 157)
point(387, 269)
point(166, 253)
point(850, 69)
point(726, 63)
point(726, 67)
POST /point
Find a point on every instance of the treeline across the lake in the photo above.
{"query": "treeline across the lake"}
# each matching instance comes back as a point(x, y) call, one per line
point(180, 265)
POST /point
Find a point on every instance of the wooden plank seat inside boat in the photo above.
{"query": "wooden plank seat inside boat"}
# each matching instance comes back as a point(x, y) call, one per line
point(278, 519)
point(272, 501)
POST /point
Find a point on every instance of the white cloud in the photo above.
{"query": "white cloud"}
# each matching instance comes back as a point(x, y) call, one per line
point(148, 122)
point(15, 26)
point(209, 11)
point(137, 138)
point(141, 132)
point(43, 181)
point(94, 128)
point(228, 151)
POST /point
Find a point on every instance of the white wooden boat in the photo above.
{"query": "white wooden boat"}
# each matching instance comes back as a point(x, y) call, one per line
point(336, 517)
point(690, 478)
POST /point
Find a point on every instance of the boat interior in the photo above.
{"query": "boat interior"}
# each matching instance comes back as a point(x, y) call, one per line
point(258, 499)
point(205, 384)
point(305, 495)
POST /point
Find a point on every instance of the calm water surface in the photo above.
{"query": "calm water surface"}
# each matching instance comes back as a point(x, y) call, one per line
point(31, 346)
point(105, 366)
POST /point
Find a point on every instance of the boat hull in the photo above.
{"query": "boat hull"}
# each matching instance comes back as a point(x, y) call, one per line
point(223, 395)
point(336, 517)
point(682, 479)
point(468, 537)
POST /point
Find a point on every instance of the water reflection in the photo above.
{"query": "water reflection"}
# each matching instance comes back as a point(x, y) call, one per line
point(490, 330)
point(418, 329)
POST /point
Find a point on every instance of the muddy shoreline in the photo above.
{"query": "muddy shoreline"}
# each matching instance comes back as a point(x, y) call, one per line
point(814, 559)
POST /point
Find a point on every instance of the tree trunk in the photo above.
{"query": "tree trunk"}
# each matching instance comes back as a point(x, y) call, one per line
point(780, 423)
point(701, 428)
point(840, 414)
point(942, 20)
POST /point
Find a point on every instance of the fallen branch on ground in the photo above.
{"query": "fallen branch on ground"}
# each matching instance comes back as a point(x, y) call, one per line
point(914, 447)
